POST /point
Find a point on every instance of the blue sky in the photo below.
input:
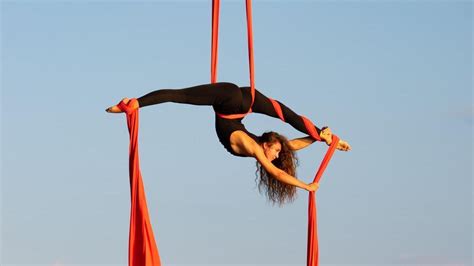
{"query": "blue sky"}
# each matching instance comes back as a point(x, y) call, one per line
point(394, 78)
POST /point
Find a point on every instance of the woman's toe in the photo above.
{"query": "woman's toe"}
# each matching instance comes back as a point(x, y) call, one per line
point(113, 109)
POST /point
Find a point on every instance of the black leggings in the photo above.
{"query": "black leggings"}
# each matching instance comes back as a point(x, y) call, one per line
point(209, 94)
point(225, 98)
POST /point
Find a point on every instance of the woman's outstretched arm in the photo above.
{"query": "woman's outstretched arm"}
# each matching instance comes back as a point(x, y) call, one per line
point(245, 145)
point(301, 143)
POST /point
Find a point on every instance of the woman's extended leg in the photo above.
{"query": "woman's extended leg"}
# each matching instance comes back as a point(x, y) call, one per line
point(263, 105)
point(209, 94)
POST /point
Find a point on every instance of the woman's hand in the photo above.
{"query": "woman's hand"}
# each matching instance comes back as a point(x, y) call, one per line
point(326, 136)
point(312, 187)
point(343, 146)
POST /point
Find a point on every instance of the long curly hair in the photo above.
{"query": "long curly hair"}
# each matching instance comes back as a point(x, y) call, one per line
point(277, 192)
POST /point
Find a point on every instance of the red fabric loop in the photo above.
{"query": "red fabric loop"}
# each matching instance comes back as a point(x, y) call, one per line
point(234, 116)
point(277, 108)
point(214, 52)
point(311, 128)
point(129, 107)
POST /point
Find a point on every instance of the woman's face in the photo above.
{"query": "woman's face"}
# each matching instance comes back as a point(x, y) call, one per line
point(272, 150)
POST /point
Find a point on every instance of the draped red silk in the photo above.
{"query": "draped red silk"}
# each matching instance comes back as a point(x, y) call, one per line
point(142, 249)
point(312, 252)
point(214, 49)
point(312, 247)
point(312, 256)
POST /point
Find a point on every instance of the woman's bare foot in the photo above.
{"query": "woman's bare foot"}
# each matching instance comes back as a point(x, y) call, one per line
point(115, 108)
point(326, 135)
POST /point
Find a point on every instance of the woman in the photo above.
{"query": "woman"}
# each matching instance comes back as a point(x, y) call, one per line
point(275, 155)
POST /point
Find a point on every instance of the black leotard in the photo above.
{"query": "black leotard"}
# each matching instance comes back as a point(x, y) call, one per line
point(225, 98)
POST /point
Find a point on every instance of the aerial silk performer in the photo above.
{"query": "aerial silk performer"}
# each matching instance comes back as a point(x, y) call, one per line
point(274, 153)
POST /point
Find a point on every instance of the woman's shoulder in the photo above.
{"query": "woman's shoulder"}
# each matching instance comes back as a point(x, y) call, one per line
point(250, 134)
point(244, 142)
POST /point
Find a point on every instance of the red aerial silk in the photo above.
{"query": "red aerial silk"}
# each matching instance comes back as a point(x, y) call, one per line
point(214, 49)
point(312, 247)
point(142, 249)
point(312, 257)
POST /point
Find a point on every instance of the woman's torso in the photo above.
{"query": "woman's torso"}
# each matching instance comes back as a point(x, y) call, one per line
point(236, 101)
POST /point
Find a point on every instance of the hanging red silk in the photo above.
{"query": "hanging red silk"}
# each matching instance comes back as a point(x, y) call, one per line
point(214, 50)
point(142, 249)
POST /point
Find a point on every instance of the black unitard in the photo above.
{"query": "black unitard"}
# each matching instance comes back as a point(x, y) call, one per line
point(225, 98)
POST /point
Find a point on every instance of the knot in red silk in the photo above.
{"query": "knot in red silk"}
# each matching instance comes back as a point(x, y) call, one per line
point(129, 107)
